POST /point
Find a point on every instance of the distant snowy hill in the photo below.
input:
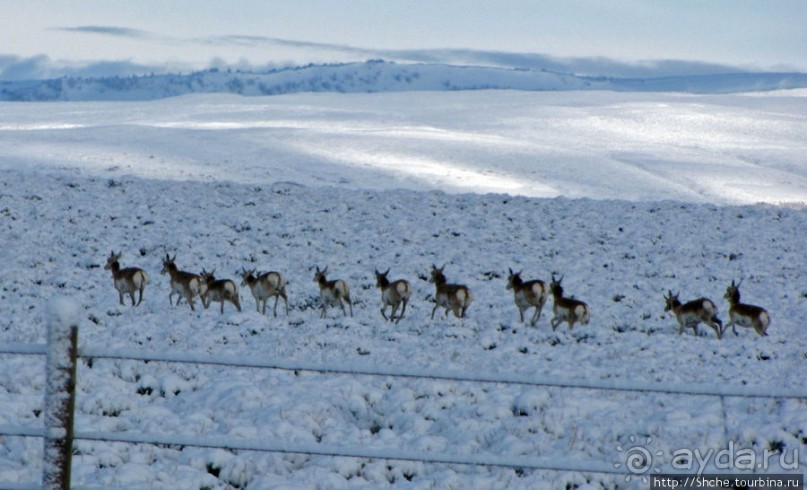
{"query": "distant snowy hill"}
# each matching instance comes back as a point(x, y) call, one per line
point(377, 76)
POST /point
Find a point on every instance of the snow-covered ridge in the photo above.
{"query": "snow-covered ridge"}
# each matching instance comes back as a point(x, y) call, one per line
point(378, 76)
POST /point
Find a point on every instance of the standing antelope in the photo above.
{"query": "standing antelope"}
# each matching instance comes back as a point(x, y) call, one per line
point(528, 295)
point(183, 284)
point(690, 314)
point(220, 290)
point(456, 297)
point(567, 310)
point(332, 292)
point(264, 286)
point(128, 280)
point(748, 316)
point(393, 294)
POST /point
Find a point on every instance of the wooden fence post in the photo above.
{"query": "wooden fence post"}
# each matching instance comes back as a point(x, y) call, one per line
point(60, 395)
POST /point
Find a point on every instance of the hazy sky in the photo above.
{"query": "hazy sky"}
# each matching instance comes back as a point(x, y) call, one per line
point(96, 36)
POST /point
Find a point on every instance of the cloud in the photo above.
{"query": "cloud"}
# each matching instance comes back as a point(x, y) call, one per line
point(32, 68)
point(584, 66)
point(41, 67)
point(107, 31)
point(261, 41)
point(298, 52)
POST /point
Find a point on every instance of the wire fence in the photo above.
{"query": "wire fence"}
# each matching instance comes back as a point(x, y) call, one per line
point(717, 390)
point(397, 454)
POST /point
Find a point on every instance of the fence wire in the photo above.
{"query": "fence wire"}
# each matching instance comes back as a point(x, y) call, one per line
point(538, 463)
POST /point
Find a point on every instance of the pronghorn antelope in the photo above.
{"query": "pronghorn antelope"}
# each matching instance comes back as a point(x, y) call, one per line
point(220, 290)
point(393, 294)
point(264, 286)
point(690, 314)
point(332, 292)
point(567, 310)
point(456, 297)
point(528, 295)
point(748, 316)
point(183, 284)
point(128, 280)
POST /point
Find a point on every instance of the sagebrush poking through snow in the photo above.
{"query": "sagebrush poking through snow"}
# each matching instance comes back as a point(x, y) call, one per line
point(220, 189)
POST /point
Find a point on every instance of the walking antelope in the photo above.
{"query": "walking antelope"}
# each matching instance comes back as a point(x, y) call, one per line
point(690, 314)
point(220, 290)
point(456, 297)
point(183, 284)
point(264, 286)
point(528, 295)
point(332, 292)
point(567, 310)
point(748, 316)
point(128, 280)
point(393, 294)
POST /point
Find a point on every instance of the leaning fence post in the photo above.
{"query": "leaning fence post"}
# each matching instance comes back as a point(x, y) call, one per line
point(60, 379)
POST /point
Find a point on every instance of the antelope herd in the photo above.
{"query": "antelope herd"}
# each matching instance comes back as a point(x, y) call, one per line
point(396, 294)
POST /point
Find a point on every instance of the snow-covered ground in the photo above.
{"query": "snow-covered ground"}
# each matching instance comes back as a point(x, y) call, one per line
point(627, 195)
point(726, 149)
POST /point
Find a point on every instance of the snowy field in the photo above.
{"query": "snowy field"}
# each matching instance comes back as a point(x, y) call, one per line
point(627, 195)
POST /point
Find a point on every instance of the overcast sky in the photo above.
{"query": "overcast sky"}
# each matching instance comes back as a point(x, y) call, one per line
point(53, 37)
